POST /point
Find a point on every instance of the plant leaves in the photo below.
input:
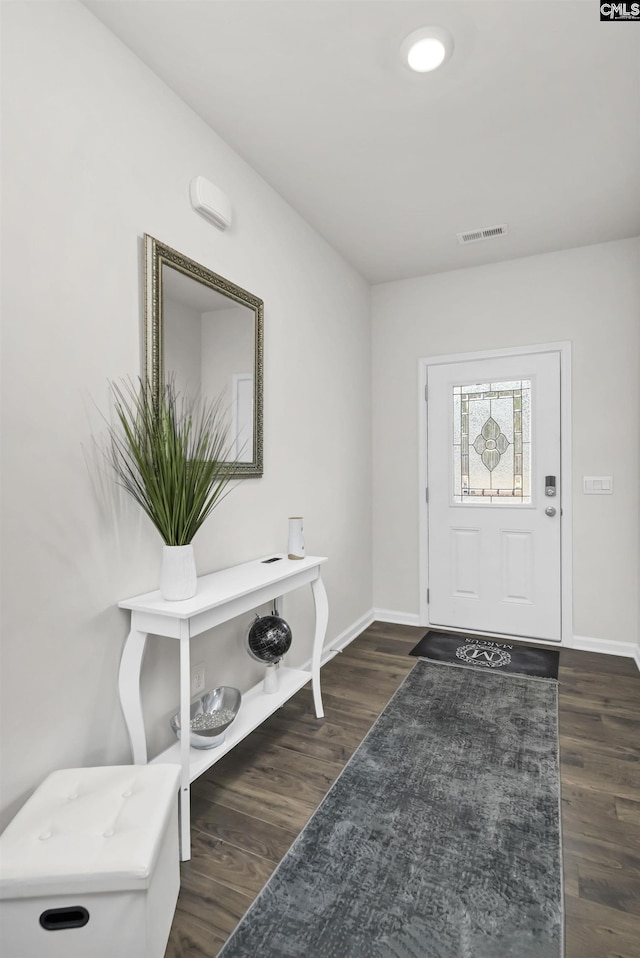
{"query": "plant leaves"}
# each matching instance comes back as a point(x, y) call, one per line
point(171, 454)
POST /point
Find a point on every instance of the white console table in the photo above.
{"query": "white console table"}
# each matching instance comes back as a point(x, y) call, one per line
point(220, 596)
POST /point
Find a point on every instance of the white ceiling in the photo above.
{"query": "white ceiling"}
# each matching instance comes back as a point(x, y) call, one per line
point(534, 121)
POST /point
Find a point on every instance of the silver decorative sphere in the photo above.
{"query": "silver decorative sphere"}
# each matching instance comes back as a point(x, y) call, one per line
point(268, 639)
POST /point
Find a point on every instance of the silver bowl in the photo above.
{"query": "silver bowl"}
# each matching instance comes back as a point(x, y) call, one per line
point(211, 716)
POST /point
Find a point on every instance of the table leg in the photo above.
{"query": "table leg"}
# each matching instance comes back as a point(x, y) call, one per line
point(185, 743)
point(129, 689)
point(322, 618)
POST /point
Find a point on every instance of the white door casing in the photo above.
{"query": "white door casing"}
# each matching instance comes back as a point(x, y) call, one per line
point(493, 561)
point(242, 416)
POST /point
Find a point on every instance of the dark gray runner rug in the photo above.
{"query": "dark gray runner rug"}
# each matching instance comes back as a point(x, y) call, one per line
point(440, 839)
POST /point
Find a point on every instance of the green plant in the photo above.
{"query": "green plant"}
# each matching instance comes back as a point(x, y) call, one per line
point(171, 454)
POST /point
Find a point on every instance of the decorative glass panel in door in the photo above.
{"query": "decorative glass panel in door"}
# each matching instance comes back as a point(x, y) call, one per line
point(492, 442)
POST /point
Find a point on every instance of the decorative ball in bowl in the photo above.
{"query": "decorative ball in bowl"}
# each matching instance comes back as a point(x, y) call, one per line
point(211, 716)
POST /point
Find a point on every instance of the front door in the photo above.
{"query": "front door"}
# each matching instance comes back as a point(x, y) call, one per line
point(493, 475)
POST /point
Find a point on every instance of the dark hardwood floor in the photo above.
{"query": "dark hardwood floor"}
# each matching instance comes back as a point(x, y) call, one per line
point(248, 809)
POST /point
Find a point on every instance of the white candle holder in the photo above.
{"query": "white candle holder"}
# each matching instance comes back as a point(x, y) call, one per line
point(296, 538)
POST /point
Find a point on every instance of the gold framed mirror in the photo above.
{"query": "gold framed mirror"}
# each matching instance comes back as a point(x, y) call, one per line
point(206, 333)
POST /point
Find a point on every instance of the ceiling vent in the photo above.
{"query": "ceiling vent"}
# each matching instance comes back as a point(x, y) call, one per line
point(485, 233)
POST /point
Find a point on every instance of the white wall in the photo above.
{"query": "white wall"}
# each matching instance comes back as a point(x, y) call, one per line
point(589, 296)
point(97, 151)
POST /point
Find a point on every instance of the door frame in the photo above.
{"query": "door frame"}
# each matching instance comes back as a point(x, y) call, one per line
point(566, 526)
point(236, 380)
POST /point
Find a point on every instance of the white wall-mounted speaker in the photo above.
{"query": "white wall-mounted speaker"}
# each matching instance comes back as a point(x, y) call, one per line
point(210, 202)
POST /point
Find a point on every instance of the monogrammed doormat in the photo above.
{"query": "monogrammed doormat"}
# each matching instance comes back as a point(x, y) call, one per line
point(489, 656)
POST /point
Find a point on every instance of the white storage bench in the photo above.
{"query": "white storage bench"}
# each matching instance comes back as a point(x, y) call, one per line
point(90, 868)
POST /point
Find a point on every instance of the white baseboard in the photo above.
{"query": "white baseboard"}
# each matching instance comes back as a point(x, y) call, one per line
point(587, 643)
point(343, 640)
point(396, 618)
point(346, 637)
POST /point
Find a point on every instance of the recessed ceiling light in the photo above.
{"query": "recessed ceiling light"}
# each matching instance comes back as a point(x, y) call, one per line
point(426, 49)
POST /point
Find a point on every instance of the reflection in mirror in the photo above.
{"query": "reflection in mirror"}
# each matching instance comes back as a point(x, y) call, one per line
point(209, 348)
point(206, 333)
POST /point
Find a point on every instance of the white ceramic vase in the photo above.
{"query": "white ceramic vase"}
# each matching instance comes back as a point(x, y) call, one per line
point(296, 538)
point(178, 578)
